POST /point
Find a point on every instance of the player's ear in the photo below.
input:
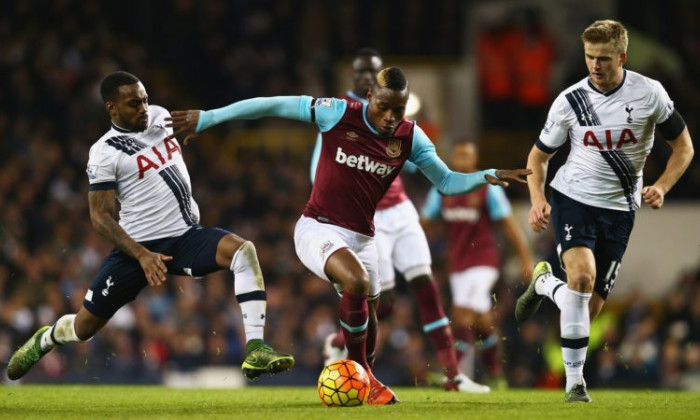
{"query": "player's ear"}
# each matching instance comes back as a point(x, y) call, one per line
point(369, 94)
point(109, 106)
point(623, 59)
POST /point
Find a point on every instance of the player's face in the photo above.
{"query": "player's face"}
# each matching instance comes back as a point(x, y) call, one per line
point(364, 73)
point(386, 109)
point(129, 110)
point(604, 65)
point(464, 157)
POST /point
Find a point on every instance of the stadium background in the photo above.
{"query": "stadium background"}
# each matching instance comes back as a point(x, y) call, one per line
point(252, 177)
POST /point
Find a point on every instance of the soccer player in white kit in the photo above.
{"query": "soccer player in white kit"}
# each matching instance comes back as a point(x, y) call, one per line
point(138, 163)
point(609, 117)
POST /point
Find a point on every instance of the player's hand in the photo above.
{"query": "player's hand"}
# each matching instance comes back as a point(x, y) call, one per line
point(154, 267)
point(183, 123)
point(653, 196)
point(505, 175)
point(539, 215)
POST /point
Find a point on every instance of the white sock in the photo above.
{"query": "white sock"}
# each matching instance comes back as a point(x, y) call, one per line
point(552, 287)
point(62, 332)
point(575, 328)
point(249, 288)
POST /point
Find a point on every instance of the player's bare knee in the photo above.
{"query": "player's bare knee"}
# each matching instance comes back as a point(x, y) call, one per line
point(228, 245)
point(357, 284)
point(581, 281)
point(418, 282)
point(418, 275)
point(387, 297)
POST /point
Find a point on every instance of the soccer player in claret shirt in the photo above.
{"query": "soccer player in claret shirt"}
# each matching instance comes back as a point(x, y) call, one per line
point(139, 164)
point(609, 119)
point(401, 245)
point(364, 148)
point(474, 257)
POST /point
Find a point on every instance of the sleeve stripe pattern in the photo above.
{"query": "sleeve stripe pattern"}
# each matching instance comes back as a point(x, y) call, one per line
point(543, 147)
point(102, 186)
point(624, 170)
point(673, 126)
point(126, 144)
point(313, 110)
point(173, 178)
point(578, 99)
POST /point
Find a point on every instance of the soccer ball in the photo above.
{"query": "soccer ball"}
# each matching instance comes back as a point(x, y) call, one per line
point(343, 383)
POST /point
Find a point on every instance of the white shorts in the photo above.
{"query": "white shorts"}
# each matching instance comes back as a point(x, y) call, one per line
point(471, 288)
point(315, 242)
point(401, 243)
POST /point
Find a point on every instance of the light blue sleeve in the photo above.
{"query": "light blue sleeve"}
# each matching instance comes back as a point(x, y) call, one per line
point(433, 205)
point(315, 156)
point(447, 182)
point(497, 203)
point(410, 167)
point(326, 112)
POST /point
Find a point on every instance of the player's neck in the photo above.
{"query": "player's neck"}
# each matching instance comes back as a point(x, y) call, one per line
point(118, 127)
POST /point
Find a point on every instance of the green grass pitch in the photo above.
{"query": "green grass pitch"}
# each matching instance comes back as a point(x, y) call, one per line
point(280, 403)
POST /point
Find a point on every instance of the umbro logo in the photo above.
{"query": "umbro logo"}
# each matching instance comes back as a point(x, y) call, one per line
point(351, 135)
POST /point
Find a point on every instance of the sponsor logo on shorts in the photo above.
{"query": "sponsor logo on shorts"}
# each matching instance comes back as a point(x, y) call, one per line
point(568, 228)
point(325, 247)
point(109, 284)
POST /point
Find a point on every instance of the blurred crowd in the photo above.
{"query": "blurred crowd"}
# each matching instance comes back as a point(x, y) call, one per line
point(53, 54)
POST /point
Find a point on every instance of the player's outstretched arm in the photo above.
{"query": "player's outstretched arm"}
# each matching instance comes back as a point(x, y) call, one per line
point(187, 124)
point(448, 182)
point(184, 124)
point(504, 175)
point(681, 154)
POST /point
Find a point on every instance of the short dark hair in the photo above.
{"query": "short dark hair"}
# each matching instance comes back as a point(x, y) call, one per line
point(367, 52)
point(110, 85)
point(392, 78)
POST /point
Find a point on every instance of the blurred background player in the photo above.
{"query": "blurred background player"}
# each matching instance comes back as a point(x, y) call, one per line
point(609, 119)
point(136, 164)
point(364, 148)
point(474, 258)
point(401, 245)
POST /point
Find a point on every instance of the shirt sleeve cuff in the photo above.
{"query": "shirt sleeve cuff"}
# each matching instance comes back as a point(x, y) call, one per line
point(543, 147)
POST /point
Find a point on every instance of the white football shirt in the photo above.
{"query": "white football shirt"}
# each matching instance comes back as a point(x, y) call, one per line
point(611, 136)
point(149, 176)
